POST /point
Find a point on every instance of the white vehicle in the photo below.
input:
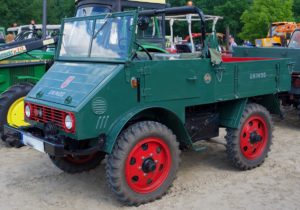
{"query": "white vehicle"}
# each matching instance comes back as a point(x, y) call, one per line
point(33, 31)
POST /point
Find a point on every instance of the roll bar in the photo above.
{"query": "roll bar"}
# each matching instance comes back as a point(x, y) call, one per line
point(179, 11)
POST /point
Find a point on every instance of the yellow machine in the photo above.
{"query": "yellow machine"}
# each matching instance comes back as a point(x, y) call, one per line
point(279, 34)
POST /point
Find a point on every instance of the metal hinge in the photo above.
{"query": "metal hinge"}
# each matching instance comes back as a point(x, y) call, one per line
point(146, 71)
point(219, 70)
point(146, 92)
point(291, 67)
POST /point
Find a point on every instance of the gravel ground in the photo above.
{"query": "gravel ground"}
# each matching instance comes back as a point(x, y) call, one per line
point(206, 180)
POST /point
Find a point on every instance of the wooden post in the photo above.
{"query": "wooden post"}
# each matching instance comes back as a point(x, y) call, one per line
point(227, 37)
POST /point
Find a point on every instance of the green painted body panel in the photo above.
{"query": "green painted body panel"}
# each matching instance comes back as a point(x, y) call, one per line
point(231, 112)
point(104, 101)
point(271, 52)
point(169, 85)
point(27, 67)
point(153, 48)
point(57, 86)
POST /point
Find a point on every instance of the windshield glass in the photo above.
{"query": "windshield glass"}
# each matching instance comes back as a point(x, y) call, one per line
point(106, 37)
point(295, 40)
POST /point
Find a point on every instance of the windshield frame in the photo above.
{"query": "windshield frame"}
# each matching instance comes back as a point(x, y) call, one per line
point(134, 14)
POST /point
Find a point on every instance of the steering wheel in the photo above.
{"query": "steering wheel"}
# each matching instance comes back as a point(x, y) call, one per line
point(144, 49)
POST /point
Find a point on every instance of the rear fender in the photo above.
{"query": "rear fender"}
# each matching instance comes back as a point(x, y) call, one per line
point(231, 112)
point(270, 102)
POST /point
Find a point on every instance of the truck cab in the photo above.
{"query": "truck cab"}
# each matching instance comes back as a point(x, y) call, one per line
point(108, 95)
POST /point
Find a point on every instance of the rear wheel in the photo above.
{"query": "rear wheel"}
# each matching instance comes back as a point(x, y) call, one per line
point(248, 146)
point(12, 107)
point(143, 163)
point(77, 164)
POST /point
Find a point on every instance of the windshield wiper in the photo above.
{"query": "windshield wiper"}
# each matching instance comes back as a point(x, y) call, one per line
point(101, 28)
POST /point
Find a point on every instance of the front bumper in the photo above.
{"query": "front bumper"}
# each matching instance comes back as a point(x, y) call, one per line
point(37, 143)
point(51, 146)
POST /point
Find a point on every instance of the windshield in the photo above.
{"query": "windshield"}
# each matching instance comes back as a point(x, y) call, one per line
point(295, 40)
point(107, 36)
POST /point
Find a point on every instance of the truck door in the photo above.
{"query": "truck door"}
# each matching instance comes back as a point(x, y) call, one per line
point(175, 80)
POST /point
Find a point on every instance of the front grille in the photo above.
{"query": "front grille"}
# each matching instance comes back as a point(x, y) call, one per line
point(45, 115)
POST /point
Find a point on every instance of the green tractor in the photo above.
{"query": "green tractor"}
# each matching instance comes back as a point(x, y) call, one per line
point(21, 66)
point(104, 96)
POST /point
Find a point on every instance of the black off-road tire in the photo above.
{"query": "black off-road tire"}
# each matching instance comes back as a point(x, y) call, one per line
point(7, 99)
point(234, 152)
point(72, 167)
point(115, 162)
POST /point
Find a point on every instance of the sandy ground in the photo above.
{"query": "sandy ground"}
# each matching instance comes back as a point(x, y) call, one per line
point(206, 180)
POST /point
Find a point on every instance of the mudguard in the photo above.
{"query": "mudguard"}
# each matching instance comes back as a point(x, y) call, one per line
point(170, 119)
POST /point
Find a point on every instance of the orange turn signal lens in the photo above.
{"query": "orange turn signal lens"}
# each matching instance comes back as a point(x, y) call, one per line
point(134, 82)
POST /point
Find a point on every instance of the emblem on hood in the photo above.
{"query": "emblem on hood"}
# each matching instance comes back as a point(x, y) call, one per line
point(67, 82)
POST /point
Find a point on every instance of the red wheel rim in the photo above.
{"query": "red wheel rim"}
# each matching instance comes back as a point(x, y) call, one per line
point(254, 137)
point(148, 165)
point(80, 160)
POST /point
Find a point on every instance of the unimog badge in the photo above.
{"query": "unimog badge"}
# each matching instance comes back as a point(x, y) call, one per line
point(207, 78)
point(67, 82)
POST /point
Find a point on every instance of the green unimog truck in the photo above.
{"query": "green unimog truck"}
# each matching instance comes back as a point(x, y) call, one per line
point(104, 96)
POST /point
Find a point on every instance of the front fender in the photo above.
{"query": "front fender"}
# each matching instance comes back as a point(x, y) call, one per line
point(170, 119)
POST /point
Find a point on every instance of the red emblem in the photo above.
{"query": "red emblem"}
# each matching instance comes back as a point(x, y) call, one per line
point(67, 82)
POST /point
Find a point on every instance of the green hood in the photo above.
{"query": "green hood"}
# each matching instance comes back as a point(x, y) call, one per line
point(70, 83)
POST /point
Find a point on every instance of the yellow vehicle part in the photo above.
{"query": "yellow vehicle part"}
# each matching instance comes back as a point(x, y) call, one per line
point(268, 42)
point(15, 115)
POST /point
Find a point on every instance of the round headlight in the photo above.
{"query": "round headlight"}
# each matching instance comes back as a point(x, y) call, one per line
point(27, 111)
point(69, 122)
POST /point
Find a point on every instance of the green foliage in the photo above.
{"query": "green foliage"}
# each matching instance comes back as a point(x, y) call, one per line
point(23, 11)
point(258, 17)
point(296, 10)
point(250, 17)
point(231, 11)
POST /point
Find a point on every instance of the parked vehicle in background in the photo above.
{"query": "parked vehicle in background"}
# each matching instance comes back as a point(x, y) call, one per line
point(279, 34)
point(33, 32)
point(192, 42)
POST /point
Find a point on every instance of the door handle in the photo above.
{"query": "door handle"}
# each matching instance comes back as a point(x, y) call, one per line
point(192, 79)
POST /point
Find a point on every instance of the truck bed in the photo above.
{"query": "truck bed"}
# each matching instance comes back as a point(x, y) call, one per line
point(271, 52)
point(203, 83)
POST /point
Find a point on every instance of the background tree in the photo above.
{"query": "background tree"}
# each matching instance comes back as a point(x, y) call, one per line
point(252, 17)
point(258, 17)
point(296, 10)
point(231, 10)
point(22, 11)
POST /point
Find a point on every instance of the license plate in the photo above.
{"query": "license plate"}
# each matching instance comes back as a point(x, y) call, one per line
point(33, 142)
